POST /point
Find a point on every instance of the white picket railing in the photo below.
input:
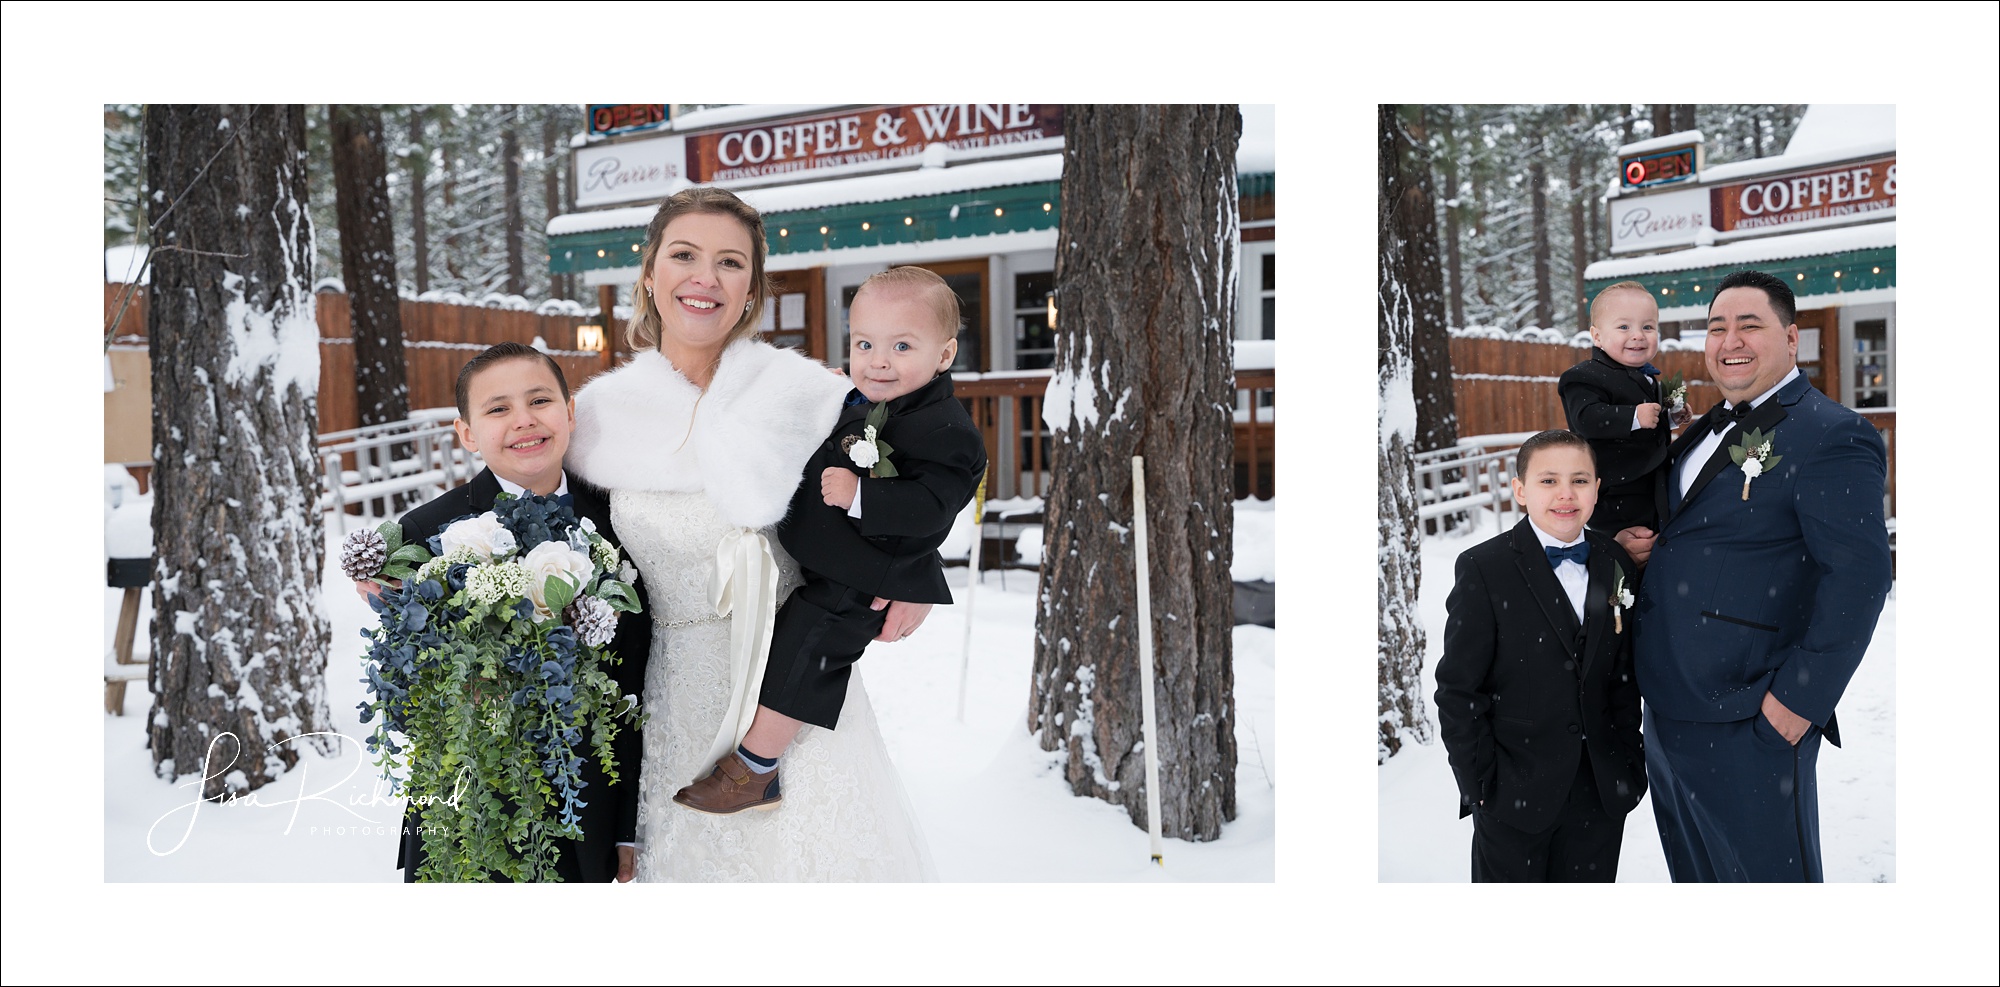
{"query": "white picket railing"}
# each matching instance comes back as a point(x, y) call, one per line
point(418, 455)
point(1471, 476)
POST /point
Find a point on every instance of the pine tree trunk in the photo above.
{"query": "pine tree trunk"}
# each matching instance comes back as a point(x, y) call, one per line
point(368, 263)
point(551, 200)
point(1453, 255)
point(1538, 180)
point(1663, 119)
point(1416, 224)
point(510, 151)
point(1577, 251)
point(1683, 117)
point(1146, 285)
point(238, 673)
point(420, 239)
point(1399, 649)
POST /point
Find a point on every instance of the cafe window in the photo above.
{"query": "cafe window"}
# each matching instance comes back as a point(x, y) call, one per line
point(1034, 341)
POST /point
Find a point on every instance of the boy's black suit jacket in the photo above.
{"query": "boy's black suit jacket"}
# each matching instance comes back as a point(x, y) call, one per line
point(612, 815)
point(1523, 691)
point(1598, 397)
point(892, 552)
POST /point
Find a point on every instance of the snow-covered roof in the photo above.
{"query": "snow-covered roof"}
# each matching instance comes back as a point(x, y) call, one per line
point(1257, 149)
point(1839, 126)
point(1657, 143)
point(1813, 243)
point(1256, 153)
point(125, 261)
point(1827, 133)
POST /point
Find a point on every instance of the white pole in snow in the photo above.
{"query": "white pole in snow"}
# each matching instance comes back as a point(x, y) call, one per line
point(1147, 732)
point(971, 582)
point(978, 509)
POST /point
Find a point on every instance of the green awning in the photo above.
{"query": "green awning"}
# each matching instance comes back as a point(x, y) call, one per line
point(1824, 274)
point(920, 219)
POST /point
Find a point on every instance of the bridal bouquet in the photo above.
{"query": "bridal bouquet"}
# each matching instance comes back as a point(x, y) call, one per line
point(489, 663)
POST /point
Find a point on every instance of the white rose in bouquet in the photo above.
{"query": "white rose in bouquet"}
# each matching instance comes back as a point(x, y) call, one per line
point(483, 536)
point(554, 558)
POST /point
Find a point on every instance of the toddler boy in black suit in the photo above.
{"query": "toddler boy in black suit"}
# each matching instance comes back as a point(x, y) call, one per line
point(1536, 698)
point(873, 505)
point(1613, 400)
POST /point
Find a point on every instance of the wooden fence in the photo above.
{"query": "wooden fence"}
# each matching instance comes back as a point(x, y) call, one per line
point(437, 340)
point(1509, 385)
point(1020, 468)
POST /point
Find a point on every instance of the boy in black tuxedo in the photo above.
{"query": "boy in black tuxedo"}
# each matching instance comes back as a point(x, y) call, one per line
point(870, 511)
point(514, 409)
point(1536, 697)
point(1613, 400)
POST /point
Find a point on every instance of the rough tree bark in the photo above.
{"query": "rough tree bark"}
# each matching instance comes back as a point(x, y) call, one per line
point(1399, 648)
point(419, 163)
point(1416, 224)
point(510, 152)
point(238, 674)
point(1146, 283)
point(1538, 181)
point(368, 262)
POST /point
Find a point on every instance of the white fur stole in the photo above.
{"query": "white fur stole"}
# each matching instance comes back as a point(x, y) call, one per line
point(765, 412)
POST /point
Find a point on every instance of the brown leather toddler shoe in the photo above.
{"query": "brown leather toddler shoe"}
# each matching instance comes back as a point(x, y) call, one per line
point(731, 787)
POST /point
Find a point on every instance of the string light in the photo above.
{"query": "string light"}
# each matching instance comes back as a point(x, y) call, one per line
point(1836, 274)
point(864, 226)
point(997, 211)
point(909, 220)
point(822, 231)
point(1878, 270)
point(600, 253)
point(635, 248)
point(1802, 276)
point(784, 232)
point(1046, 206)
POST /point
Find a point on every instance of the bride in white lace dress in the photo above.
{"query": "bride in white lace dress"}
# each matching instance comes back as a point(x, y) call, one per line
point(701, 442)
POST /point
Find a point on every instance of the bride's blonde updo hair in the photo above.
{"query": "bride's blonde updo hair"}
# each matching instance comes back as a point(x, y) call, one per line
point(643, 331)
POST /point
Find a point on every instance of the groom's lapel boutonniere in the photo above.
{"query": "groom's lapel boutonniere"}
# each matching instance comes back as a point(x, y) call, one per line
point(1620, 599)
point(868, 450)
point(1753, 453)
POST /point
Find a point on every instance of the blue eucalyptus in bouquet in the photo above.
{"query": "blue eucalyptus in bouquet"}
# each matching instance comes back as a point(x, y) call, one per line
point(490, 666)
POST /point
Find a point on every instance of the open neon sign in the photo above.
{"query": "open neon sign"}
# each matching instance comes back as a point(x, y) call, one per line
point(1658, 169)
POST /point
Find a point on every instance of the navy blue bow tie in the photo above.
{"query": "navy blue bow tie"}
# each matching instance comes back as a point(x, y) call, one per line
point(855, 398)
point(1650, 370)
point(566, 500)
point(1578, 553)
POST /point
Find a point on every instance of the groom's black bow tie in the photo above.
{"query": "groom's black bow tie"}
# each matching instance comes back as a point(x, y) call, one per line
point(1578, 553)
point(1720, 418)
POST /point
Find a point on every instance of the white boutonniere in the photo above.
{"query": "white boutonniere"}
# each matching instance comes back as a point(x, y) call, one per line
point(1753, 453)
point(868, 450)
point(1620, 599)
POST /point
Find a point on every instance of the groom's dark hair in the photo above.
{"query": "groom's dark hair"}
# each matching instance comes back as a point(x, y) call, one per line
point(1783, 303)
point(494, 354)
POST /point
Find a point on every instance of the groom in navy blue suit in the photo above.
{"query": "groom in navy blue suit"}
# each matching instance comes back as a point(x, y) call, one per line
point(1760, 597)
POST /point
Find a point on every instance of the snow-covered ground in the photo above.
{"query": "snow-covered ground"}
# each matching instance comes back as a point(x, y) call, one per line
point(992, 803)
point(1422, 838)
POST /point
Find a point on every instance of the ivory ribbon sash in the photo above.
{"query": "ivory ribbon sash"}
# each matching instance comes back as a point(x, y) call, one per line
point(744, 588)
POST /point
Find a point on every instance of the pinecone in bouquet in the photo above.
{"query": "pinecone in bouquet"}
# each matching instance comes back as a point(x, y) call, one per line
point(379, 553)
point(594, 619)
point(363, 554)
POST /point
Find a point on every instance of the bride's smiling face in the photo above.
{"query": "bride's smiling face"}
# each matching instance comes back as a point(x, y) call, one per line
point(700, 281)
